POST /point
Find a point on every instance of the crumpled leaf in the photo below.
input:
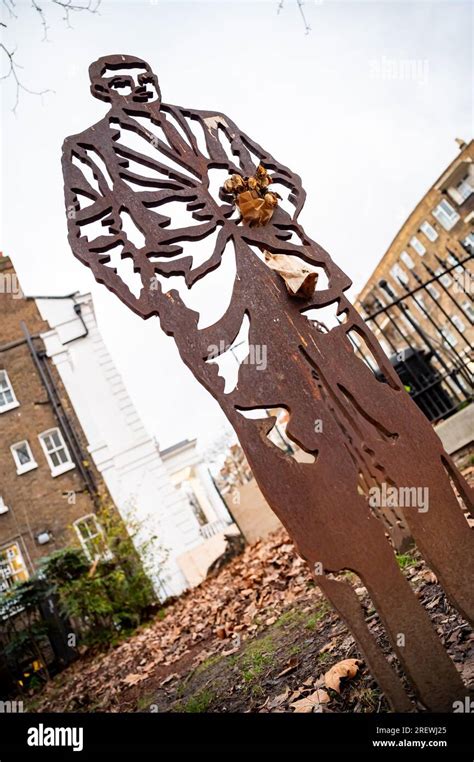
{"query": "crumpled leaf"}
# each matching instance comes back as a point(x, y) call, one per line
point(311, 703)
point(299, 280)
point(346, 668)
point(254, 209)
point(278, 700)
point(256, 203)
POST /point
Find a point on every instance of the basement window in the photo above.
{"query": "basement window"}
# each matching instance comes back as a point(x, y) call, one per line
point(7, 395)
point(56, 452)
point(23, 457)
point(92, 538)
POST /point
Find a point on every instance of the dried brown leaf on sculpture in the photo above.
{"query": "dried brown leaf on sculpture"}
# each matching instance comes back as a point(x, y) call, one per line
point(300, 281)
point(255, 202)
point(347, 668)
point(311, 703)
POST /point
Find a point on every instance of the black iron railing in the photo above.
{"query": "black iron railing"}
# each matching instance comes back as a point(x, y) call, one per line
point(427, 332)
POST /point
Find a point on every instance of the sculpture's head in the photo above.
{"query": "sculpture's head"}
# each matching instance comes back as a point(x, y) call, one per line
point(126, 79)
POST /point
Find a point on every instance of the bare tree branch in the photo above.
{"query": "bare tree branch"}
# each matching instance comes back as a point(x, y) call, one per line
point(43, 19)
point(12, 72)
point(68, 6)
point(300, 4)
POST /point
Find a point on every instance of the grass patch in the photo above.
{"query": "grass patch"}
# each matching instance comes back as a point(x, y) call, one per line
point(404, 560)
point(313, 619)
point(289, 618)
point(211, 661)
point(256, 658)
point(199, 703)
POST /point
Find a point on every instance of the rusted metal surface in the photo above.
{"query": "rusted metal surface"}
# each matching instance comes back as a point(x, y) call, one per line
point(362, 432)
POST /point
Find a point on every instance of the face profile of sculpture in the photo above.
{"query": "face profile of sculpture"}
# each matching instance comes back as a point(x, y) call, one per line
point(128, 178)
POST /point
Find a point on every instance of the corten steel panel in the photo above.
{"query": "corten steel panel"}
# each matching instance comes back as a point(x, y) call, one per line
point(371, 434)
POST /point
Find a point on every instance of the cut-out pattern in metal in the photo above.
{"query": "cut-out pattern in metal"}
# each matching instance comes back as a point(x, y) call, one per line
point(127, 179)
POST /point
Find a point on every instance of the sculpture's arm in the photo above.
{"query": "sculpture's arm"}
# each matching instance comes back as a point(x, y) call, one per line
point(230, 147)
point(82, 217)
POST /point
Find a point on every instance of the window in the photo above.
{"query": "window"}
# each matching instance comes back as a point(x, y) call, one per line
point(453, 261)
point(433, 291)
point(7, 395)
point(468, 309)
point(12, 567)
point(398, 273)
point(445, 214)
point(56, 452)
point(464, 188)
point(449, 339)
point(458, 322)
point(444, 279)
point(429, 231)
point(92, 538)
point(407, 260)
point(420, 303)
point(417, 245)
point(23, 457)
point(468, 243)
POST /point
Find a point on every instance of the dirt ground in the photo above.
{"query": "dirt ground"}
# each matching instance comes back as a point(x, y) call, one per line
point(258, 637)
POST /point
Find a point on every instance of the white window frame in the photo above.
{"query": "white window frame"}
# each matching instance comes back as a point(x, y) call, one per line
point(444, 279)
point(446, 214)
point(428, 230)
point(449, 338)
point(458, 323)
point(23, 468)
point(407, 260)
point(416, 244)
point(107, 555)
point(469, 241)
point(431, 288)
point(468, 309)
point(8, 388)
point(398, 272)
point(464, 188)
point(63, 467)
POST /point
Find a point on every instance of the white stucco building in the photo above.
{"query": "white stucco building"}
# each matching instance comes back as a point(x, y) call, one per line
point(140, 483)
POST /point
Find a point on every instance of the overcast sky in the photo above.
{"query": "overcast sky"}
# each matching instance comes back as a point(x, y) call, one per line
point(367, 133)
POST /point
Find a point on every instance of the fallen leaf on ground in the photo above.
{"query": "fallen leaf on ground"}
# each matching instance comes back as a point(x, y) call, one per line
point(311, 703)
point(133, 679)
point(346, 668)
point(289, 667)
point(278, 700)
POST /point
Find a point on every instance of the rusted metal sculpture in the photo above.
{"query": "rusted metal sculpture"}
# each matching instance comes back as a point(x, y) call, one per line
point(139, 158)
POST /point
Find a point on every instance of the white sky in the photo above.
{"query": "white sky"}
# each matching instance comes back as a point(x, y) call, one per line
point(367, 147)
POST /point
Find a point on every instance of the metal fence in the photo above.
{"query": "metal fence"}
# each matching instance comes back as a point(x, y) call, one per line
point(427, 331)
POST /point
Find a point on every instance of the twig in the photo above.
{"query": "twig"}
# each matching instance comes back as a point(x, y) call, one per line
point(43, 19)
point(12, 72)
point(69, 5)
point(306, 25)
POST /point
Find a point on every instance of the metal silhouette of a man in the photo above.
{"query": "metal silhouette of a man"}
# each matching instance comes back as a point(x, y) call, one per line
point(122, 176)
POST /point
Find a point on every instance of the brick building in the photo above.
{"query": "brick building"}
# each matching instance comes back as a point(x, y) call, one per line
point(418, 300)
point(47, 486)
